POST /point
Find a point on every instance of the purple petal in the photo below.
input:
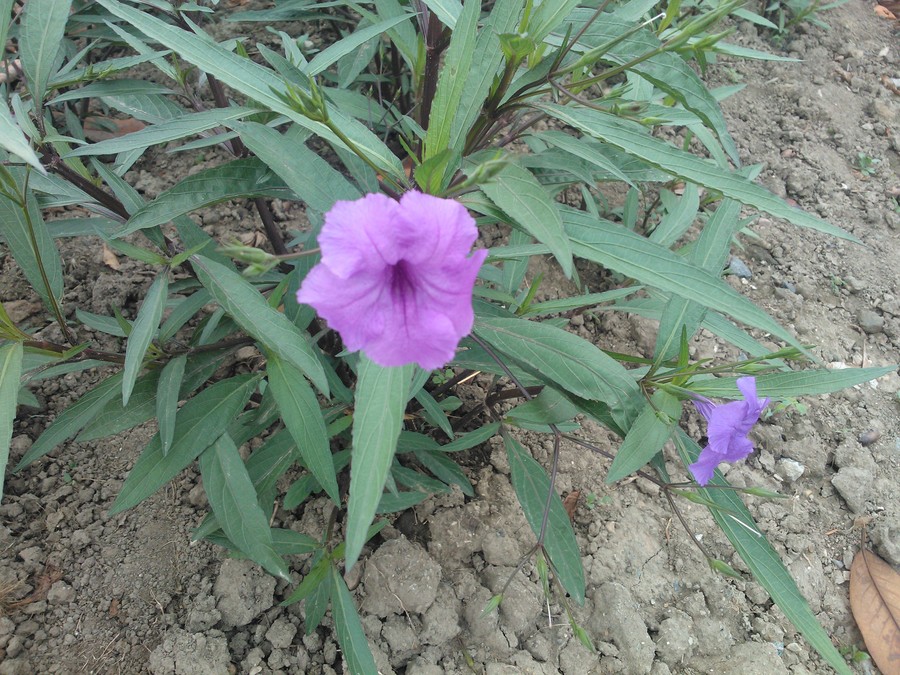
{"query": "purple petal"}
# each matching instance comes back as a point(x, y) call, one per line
point(705, 466)
point(434, 230)
point(360, 235)
point(747, 387)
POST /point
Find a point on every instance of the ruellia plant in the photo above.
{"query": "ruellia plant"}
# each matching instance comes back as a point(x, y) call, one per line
point(410, 131)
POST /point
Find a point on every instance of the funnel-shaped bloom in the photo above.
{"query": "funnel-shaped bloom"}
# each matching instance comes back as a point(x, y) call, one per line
point(728, 426)
point(396, 278)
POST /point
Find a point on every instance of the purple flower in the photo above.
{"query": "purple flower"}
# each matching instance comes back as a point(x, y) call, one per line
point(396, 278)
point(728, 426)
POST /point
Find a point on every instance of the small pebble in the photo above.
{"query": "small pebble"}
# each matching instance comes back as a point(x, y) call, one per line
point(871, 322)
point(739, 268)
point(866, 438)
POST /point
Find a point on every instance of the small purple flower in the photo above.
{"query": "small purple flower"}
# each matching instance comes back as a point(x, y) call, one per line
point(396, 278)
point(728, 426)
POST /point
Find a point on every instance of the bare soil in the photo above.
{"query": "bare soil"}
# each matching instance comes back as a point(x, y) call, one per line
point(131, 594)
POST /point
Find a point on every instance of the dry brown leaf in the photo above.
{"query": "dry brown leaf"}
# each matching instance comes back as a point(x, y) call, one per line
point(875, 602)
point(99, 128)
point(109, 258)
point(570, 503)
point(884, 12)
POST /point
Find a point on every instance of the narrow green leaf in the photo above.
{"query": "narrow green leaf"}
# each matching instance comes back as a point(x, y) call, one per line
point(522, 198)
point(143, 331)
point(628, 253)
point(18, 237)
point(190, 124)
point(255, 81)
point(446, 469)
point(43, 29)
point(252, 313)
point(793, 384)
point(349, 44)
point(302, 416)
point(447, 11)
point(452, 80)
point(11, 355)
point(532, 486)
point(548, 407)
point(71, 420)
point(167, 394)
point(765, 565)
point(114, 417)
point(14, 141)
point(486, 60)
point(586, 151)
point(350, 634)
point(239, 178)
point(570, 362)
point(381, 395)
point(233, 500)
point(199, 423)
point(634, 140)
point(646, 437)
point(320, 572)
point(309, 176)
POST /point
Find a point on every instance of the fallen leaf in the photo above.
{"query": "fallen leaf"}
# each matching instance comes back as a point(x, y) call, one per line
point(884, 12)
point(99, 128)
point(875, 602)
point(114, 607)
point(109, 258)
point(570, 503)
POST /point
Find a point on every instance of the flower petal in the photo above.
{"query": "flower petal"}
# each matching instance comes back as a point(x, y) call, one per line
point(434, 230)
point(705, 466)
point(360, 235)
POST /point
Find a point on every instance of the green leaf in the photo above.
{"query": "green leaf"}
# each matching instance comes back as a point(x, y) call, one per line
point(634, 140)
point(381, 395)
point(256, 82)
point(586, 151)
point(114, 417)
point(548, 407)
point(793, 384)
point(199, 423)
point(71, 420)
point(438, 463)
point(43, 30)
point(237, 179)
point(309, 176)
point(522, 198)
point(233, 500)
point(350, 634)
point(646, 437)
point(252, 313)
point(452, 80)
point(710, 252)
point(11, 355)
point(302, 416)
point(18, 237)
point(167, 395)
point(532, 486)
point(570, 362)
point(190, 124)
point(628, 253)
point(765, 565)
point(447, 11)
point(349, 44)
point(486, 60)
point(14, 141)
point(142, 332)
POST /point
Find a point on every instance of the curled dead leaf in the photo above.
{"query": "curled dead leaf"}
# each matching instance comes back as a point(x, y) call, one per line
point(570, 503)
point(99, 128)
point(884, 12)
point(109, 258)
point(875, 602)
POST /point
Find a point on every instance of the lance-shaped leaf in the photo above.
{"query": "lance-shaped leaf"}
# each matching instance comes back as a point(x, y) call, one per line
point(10, 371)
point(142, 332)
point(381, 395)
point(252, 313)
point(43, 28)
point(233, 500)
point(517, 192)
point(570, 362)
point(200, 422)
point(167, 395)
point(646, 436)
point(14, 141)
point(532, 486)
point(793, 384)
point(633, 139)
point(350, 633)
point(302, 416)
